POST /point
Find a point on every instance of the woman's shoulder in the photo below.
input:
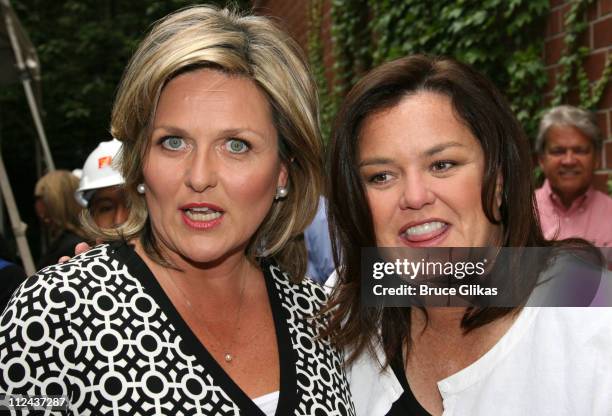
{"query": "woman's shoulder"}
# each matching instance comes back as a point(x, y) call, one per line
point(95, 263)
point(48, 305)
point(302, 292)
point(74, 278)
point(579, 325)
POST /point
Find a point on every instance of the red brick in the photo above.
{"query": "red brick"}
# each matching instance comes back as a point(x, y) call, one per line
point(585, 37)
point(553, 23)
point(608, 155)
point(325, 36)
point(591, 11)
point(562, 14)
point(291, 16)
point(600, 182)
point(555, 3)
point(553, 50)
point(551, 74)
point(602, 33)
point(573, 97)
point(594, 65)
point(602, 122)
point(606, 99)
point(605, 7)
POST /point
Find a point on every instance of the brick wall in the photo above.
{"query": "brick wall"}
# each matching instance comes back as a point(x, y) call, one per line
point(292, 15)
point(598, 37)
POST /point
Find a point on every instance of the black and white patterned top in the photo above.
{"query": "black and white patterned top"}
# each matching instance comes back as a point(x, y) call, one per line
point(100, 330)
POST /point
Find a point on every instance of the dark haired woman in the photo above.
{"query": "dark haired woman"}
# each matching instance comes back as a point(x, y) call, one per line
point(426, 153)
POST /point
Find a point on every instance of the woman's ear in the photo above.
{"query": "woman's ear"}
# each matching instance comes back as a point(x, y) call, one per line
point(283, 176)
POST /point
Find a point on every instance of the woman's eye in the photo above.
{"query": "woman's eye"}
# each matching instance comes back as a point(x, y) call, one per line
point(442, 166)
point(173, 143)
point(105, 208)
point(236, 146)
point(379, 178)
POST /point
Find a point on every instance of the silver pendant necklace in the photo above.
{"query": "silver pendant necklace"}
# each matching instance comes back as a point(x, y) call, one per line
point(228, 356)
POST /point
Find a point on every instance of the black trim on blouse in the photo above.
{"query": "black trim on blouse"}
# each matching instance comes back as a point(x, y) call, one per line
point(406, 404)
point(288, 385)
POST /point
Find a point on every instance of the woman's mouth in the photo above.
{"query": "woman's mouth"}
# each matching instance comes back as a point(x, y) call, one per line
point(427, 233)
point(202, 214)
point(201, 217)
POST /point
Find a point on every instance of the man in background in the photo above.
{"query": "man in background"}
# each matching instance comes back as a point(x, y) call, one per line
point(569, 149)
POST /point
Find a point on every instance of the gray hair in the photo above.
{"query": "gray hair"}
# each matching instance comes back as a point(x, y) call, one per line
point(567, 115)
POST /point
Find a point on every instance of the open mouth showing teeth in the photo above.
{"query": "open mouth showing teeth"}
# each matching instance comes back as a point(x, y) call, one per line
point(422, 229)
point(202, 214)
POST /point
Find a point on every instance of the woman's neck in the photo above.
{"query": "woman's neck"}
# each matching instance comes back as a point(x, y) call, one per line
point(215, 278)
point(444, 325)
point(443, 320)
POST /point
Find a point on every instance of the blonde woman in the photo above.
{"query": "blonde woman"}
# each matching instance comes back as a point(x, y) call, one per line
point(59, 214)
point(200, 306)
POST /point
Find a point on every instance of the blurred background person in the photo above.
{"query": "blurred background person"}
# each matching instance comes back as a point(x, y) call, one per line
point(318, 244)
point(100, 189)
point(569, 150)
point(11, 274)
point(58, 212)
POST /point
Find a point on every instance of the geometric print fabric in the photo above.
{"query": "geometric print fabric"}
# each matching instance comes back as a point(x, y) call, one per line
point(99, 330)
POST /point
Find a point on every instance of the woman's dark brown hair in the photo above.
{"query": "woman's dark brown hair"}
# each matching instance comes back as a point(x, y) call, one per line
point(486, 113)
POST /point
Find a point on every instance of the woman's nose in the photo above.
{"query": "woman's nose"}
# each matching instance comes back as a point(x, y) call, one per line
point(202, 170)
point(121, 214)
point(416, 192)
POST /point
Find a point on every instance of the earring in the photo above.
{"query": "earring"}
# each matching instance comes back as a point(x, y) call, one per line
point(141, 188)
point(281, 192)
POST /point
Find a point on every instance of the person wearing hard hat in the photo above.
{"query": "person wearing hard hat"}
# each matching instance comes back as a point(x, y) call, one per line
point(100, 189)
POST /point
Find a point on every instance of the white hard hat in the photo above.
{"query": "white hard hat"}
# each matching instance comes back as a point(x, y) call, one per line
point(99, 171)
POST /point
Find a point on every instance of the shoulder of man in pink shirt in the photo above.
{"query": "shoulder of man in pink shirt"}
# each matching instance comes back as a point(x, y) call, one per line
point(603, 205)
point(595, 225)
point(549, 220)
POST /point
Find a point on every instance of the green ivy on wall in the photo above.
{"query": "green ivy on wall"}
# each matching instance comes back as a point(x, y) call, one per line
point(502, 38)
point(315, 57)
point(572, 62)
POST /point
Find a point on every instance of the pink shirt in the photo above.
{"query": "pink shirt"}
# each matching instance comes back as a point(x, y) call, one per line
point(589, 216)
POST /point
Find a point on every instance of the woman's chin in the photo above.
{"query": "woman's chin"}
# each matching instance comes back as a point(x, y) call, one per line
point(208, 258)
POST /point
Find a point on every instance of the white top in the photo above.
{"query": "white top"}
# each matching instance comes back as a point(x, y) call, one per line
point(267, 403)
point(552, 361)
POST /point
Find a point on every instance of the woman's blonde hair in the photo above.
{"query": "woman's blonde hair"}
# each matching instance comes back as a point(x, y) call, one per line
point(249, 46)
point(56, 190)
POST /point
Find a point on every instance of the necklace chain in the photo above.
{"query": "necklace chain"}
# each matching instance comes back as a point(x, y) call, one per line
point(228, 356)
